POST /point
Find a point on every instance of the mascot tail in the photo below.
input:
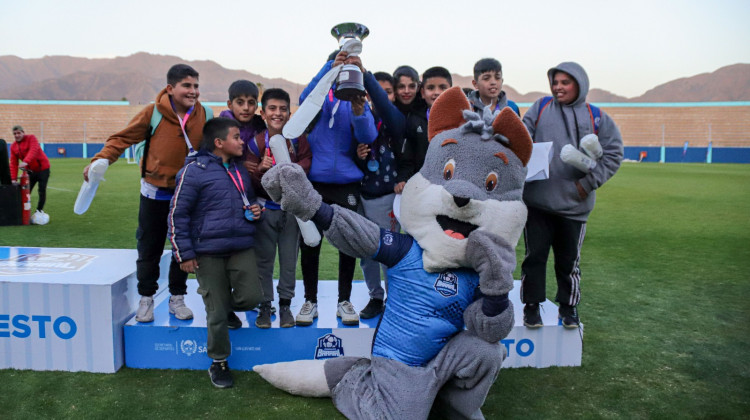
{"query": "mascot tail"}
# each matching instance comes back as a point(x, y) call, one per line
point(302, 377)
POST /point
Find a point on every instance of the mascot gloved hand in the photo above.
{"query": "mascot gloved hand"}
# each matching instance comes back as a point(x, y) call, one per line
point(436, 349)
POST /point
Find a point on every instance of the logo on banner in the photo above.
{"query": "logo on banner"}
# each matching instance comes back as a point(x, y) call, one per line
point(45, 263)
point(188, 347)
point(329, 346)
point(447, 284)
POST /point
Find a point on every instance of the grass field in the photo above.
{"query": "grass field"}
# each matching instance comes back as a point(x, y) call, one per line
point(666, 303)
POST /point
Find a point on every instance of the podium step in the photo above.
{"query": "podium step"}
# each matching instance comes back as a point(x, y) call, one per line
point(170, 343)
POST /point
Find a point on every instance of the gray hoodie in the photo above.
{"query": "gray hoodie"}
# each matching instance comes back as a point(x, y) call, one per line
point(567, 124)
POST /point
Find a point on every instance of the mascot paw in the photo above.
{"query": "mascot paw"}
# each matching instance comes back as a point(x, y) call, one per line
point(302, 377)
point(491, 329)
point(494, 259)
point(287, 185)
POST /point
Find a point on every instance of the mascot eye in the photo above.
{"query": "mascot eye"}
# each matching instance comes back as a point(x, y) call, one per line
point(449, 169)
point(491, 182)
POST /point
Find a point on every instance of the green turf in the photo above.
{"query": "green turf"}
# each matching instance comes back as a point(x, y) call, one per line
point(666, 304)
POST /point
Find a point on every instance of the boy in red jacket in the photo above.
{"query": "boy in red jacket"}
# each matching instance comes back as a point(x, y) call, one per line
point(26, 149)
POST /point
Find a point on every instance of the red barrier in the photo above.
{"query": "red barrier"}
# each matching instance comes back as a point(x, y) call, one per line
point(25, 198)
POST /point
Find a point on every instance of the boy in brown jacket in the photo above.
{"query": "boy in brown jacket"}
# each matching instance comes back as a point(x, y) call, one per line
point(177, 134)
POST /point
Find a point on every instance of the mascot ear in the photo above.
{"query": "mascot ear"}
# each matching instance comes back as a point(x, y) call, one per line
point(447, 111)
point(509, 125)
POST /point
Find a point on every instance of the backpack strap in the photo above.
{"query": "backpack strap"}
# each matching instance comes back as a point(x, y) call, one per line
point(155, 120)
point(543, 104)
point(596, 116)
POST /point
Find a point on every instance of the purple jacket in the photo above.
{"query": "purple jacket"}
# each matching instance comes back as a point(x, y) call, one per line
point(206, 214)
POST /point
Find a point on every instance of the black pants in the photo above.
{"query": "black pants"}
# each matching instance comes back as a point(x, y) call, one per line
point(565, 236)
point(41, 177)
point(347, 196)
point(151, 235)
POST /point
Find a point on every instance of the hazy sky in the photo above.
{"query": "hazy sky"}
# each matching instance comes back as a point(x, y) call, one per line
point(627, 47)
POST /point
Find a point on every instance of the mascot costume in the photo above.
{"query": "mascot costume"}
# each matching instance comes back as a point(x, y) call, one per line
point(436, 349)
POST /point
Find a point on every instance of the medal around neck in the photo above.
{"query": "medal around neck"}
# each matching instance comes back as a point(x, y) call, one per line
point(350, 82)
point(373, 165)
point(249, 215)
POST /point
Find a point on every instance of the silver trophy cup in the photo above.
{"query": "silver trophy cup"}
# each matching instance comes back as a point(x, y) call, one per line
point(350, 83)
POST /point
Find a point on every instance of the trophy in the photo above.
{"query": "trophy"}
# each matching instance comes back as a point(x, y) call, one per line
point(349, 83)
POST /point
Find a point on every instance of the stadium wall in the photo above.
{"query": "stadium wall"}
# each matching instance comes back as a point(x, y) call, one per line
point(660, 131)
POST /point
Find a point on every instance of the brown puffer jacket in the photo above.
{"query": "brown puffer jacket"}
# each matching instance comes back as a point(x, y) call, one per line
point(167, 149)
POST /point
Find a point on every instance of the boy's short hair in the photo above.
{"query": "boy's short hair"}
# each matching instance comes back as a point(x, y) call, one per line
point(178, 72)
point(486, 64)
point(382, 76)
point(17, 128)
point(274, 93)
point(437, 71)
point(332, 56)
point(407, 71)
point(216, 128)
point(243, 88)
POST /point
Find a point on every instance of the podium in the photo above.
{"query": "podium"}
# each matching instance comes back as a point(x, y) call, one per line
point(170, 343)
point(64, 308)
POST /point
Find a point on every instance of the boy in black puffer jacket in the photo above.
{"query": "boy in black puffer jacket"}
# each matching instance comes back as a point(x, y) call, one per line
point(212, 228)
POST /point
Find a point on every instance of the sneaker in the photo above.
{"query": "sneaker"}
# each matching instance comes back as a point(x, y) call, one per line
point(307, 313)
point(287, 319)
point(374, 308)
point(531, 316)
point(347, 313)
point(233, 321)
point(178, 308)
point(220, 375)
point(145, 311)
point(264, 316)
point(569, 316)
point(257, 308)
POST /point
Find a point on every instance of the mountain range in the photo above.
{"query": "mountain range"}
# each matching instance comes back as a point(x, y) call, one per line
point(138, 77)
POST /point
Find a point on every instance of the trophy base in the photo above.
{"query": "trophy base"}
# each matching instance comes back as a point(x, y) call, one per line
point(349, 91)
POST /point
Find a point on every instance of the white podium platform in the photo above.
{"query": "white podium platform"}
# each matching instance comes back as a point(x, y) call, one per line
point(64, 308)
point(175, 344)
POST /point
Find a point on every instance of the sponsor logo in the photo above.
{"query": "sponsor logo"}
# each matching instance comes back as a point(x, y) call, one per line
point(329, 346)
point(447, 284)
point(164, 347)
point(388, 238)
point(37, 326)
point(188, 347)
point(45, 263)
point(524, 347)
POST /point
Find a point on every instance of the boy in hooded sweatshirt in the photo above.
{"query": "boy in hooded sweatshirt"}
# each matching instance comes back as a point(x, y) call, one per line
point(558, 207)
point(333, 140)
point(488, 82)
point(177, 134)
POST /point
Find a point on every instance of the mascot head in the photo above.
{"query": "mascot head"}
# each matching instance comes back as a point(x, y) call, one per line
point(472, 179)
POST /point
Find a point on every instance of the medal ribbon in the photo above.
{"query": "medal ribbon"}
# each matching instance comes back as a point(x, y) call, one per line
point(268, 150)
point(183, 122)
point(240, 186)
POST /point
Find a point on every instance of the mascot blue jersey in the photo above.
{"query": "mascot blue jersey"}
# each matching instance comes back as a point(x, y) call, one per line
point(424, 310)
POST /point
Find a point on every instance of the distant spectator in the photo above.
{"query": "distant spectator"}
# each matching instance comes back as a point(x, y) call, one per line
point(34, 161)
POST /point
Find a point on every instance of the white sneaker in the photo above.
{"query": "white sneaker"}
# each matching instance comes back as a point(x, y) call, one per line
point(347, 313)
point(178, 308)
point(145, 311)
point(307, 314)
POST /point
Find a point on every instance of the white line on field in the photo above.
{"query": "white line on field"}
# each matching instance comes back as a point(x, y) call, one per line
point(60, 189)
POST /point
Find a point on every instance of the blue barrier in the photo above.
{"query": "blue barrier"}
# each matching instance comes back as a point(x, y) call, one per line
point(672, 154)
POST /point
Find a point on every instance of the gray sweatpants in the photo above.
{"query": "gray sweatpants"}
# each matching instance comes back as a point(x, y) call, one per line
point(453, 385)
point(379, 211)
point(277, 229)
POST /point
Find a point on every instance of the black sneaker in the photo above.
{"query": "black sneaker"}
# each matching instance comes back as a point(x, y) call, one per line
point(531, 316)
point(569, 316)
point(233, 321)
point(286, 316)
point(264, 316)
point(374, 308)
point(220, 375)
